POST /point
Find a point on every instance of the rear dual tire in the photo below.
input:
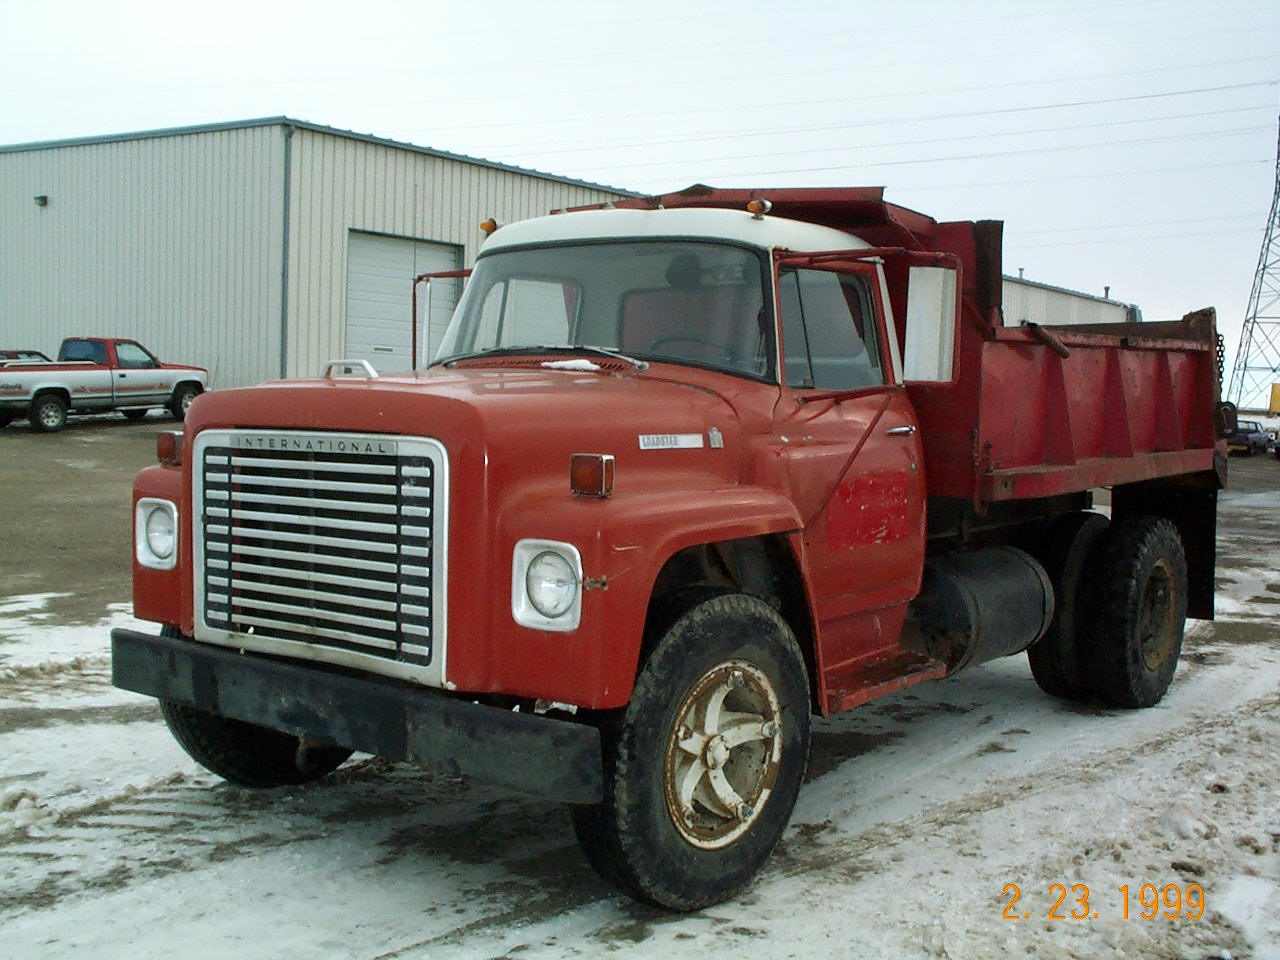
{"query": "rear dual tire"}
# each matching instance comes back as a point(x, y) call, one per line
point(1138, 612)
point(1121, 592)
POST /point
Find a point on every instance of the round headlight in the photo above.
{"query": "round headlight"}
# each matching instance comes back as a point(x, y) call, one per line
point(160, 533)
point(551, 584)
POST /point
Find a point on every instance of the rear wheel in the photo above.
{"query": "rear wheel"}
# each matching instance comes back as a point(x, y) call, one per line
point(1055, 657)
point(48, 413)
point(247, 754)
point(1137, 613)
point(703, 766)
point(6, 418)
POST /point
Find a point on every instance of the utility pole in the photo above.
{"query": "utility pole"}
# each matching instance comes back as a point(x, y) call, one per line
point(1257, 364)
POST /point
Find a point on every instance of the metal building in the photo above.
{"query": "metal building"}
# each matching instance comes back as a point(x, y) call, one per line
point(257, 249)
point(1026, 301)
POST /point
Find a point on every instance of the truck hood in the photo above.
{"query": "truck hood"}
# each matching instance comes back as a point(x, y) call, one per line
point(514, 422)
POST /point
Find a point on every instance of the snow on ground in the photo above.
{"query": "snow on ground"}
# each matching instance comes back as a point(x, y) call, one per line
point(922, 813)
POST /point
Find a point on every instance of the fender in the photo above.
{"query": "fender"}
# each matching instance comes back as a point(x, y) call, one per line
point(164, 596)
point(625, 541)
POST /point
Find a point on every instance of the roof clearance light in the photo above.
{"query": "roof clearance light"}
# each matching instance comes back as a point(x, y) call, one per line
point(591, 475)
point(169, 448)
point(758, 208)
point(490, 226)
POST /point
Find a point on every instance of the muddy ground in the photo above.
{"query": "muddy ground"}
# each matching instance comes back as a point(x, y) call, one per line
point(64, 509)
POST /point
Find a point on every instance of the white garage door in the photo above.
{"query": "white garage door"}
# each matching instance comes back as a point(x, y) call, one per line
point(380, 272)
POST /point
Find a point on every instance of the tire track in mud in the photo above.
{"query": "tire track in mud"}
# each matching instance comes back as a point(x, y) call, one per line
point(179, 823)
point(15, 719)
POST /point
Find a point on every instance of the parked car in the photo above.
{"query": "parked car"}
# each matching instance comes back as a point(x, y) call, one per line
point(94, 375)
point(1249, 438)
point(21, 355)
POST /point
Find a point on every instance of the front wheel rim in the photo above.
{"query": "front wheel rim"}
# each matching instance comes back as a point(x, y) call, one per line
point(50, 415)
point(723, 754)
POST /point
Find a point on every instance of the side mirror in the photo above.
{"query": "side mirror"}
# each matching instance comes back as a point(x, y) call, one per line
point(1225, 423)
point(931, 324)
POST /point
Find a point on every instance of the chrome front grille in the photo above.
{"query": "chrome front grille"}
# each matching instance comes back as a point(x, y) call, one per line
point(330, 541)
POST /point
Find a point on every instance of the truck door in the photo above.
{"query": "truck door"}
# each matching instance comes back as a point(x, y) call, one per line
point(852, 446)
point(89, 375)
point(138, 379)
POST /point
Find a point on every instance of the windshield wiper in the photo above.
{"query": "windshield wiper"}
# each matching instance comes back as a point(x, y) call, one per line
point(546, 348)
point(490, 352)
point(603, 351)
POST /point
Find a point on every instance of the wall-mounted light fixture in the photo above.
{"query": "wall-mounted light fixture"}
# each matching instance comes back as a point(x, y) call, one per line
point(42, 200)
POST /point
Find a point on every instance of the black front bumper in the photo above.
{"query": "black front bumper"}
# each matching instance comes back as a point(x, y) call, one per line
point(551, 758)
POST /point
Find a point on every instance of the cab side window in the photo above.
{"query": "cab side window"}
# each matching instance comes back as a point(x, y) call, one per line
point(828, 331)
point(133, 356)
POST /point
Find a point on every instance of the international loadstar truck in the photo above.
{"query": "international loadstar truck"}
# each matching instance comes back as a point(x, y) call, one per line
point(684, 472)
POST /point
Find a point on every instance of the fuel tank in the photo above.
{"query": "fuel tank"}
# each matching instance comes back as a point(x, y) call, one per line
point(978, 605)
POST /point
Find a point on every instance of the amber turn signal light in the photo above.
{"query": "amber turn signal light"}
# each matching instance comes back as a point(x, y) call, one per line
point(169, 448)
point(591, 474)
point(489, 226)
point(759, 207)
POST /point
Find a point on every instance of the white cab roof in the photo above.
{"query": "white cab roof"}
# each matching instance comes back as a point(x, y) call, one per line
point(736, 226)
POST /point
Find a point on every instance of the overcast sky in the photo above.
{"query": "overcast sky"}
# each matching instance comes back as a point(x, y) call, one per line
point(1129, 143)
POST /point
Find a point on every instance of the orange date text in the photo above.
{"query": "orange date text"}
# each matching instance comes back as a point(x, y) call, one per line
point(1078, 902)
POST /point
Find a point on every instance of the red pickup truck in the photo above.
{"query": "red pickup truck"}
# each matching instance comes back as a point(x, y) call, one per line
point(95, 375)
point(685, 471)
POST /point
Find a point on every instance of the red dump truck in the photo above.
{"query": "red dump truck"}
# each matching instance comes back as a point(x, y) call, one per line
point(685, 471)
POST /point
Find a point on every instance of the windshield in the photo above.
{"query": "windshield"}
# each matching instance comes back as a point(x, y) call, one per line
point(675, 301)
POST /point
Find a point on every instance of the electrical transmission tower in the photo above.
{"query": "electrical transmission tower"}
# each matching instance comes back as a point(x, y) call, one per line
point(1257, 364)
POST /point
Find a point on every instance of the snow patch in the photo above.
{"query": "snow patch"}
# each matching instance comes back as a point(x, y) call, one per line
point(583, 366)
point(1250, 902)
point(30, 638)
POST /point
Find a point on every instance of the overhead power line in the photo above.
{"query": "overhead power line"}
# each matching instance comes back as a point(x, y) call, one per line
point(1000, 154)
point(757, 132)
point(949, 139)
point(1132, 226)
point(865, 98)
point(1141, 238)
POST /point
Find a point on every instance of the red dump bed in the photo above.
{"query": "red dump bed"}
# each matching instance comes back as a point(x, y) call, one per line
point(1034, 410)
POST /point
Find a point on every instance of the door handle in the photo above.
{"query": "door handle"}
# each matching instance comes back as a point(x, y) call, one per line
point(905, 430)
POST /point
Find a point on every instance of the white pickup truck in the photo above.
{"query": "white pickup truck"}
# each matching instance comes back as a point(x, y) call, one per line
point(94, 375)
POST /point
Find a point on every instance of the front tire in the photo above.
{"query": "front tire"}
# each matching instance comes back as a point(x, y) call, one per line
point(703, 766)
point(247, 754)
point(1138, 612)
point(183, 394)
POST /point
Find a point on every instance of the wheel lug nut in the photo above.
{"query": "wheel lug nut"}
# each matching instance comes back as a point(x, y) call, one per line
point(737, 679)
point(745, 811)
point(769, 728)
point(685, 731)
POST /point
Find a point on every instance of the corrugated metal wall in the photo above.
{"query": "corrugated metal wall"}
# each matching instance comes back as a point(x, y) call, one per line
point(340, 184)
point(172, 240)
point(177, 239)
point(1037, 303)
